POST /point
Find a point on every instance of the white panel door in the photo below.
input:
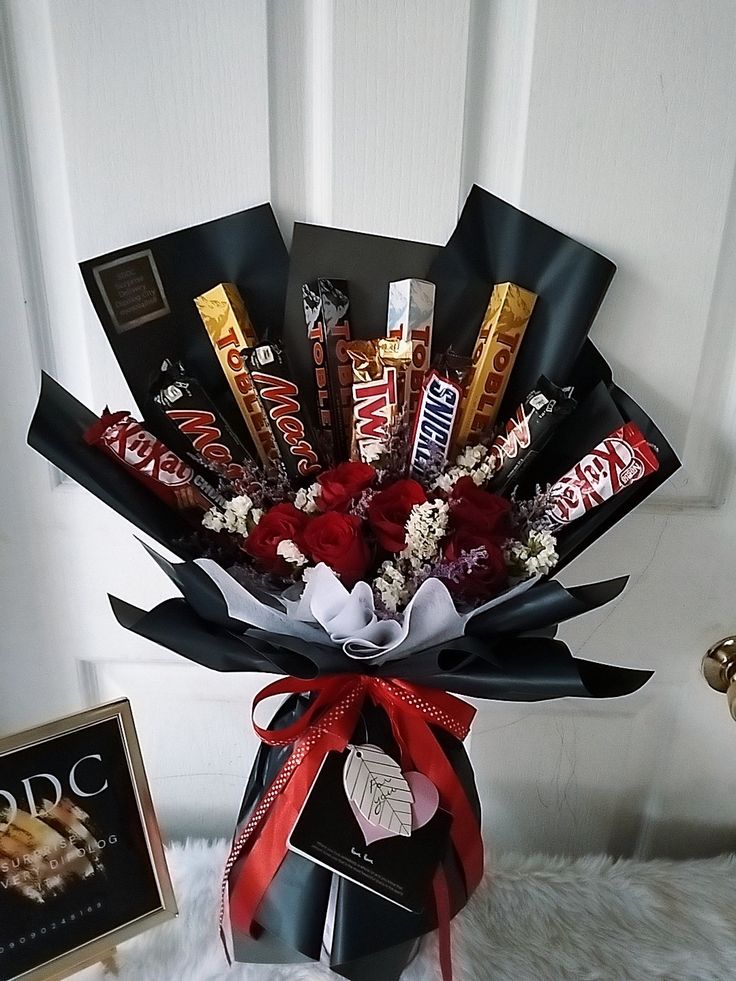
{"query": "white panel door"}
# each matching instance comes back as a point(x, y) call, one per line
point(615, 122)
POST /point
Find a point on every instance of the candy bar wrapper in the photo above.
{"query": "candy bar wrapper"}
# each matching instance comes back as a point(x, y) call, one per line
point(434, 424)
point(186, 407)
point(283, 407)
point(230, 331)
point(326, 305)
point(410, 317)
point(379, 372)
point(501, 333)
point(614, 464)
point(164, 473)
point(526, 433)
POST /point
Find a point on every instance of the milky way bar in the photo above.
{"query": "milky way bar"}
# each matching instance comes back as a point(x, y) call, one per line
point(282, 404)
point(230, 330)
point(501, 332)
point(151, 462)
point(379, 371)
point(613, 465)
point(410, 317)
point(433, 425)
point(185, 405)
point(526, 433)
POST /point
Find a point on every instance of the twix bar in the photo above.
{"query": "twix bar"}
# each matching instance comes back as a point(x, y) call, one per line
point(410, 318)
point(501, 333)
point(231, 330)
point(379, 371)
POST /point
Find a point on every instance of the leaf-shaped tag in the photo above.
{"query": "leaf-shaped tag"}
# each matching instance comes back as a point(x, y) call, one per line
point(376, 785)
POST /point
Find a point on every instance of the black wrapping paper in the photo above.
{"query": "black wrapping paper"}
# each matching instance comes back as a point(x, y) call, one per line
point(497, 243)
point(161, 277)
point(372, 939)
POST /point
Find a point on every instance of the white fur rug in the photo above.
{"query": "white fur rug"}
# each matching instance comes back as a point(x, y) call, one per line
point(533, 919)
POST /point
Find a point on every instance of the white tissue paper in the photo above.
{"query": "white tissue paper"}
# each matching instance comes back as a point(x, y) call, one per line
point(327, 612)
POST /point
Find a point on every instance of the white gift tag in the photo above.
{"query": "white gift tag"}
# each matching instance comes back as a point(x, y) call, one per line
point(375, 784)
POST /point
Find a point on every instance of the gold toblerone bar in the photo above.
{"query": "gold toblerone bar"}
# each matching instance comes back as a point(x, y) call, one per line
point(501, 333)
point(230, 330)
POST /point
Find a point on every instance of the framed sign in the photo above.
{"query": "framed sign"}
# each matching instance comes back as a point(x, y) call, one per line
point(81, 861)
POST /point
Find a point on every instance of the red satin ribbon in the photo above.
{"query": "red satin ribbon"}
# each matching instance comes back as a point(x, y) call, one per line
point(328, 724)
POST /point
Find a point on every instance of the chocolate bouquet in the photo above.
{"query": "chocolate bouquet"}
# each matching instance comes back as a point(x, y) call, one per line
point(371, 455)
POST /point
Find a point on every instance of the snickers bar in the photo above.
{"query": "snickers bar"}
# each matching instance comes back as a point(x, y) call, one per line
point(433, 425)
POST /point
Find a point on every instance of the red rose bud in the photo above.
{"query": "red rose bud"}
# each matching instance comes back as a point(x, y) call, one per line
point(433, 425)
point(410, 318)
point(613, 465)
point(488, 575)
point(337, 540)
point(389, 511)
point(527, 432)
point(152, 463)
point(281, 523)
point(183, 402)
point(282, 404)
point(342, 484)
point(473, 509)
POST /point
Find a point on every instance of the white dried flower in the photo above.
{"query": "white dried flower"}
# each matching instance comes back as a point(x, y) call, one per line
point(536, 556)
point(446, 481)
point(213, 519)
point(390, 584)
point(306, 499)
point(255, 515)
point(236, 518)
point(291, 553)
point(371, 450)
point(425, 529)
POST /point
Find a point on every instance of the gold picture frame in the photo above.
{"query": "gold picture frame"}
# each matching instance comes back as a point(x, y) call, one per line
point(94, 860)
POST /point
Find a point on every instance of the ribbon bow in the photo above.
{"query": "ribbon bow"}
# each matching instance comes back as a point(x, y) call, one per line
point(328, 724)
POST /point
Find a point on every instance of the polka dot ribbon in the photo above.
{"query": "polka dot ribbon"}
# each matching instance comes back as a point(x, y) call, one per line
point(327, 724)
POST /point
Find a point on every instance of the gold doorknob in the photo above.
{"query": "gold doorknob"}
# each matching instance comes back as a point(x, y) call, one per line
point(719, 670)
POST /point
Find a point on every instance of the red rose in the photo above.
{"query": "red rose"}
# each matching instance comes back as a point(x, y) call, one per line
point(337, 540)
point(488, 576)
point(281, 522)
point(389, 510)
point(341, 484)
point(479, 511)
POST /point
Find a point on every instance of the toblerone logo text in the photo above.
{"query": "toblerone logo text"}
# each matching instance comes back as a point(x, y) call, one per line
point(282, 397)
point(419, 337)
point(503, 347)
point(316, 335)
point(231, 344)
